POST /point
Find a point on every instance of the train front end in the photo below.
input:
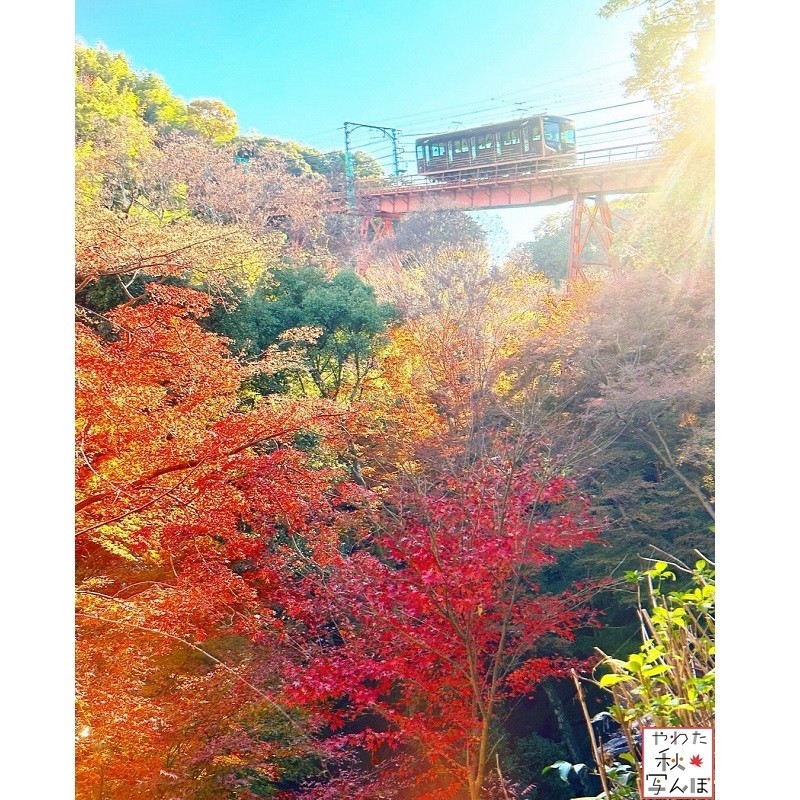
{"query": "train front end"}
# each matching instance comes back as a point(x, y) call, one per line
point(558, 137)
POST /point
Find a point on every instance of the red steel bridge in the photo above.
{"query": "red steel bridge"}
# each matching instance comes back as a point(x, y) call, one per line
point(595, 174)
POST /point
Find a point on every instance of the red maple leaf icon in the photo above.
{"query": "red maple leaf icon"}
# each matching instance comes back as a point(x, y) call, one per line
point(695, 761)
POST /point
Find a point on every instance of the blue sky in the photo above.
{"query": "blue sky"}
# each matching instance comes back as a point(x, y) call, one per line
point(298, 70)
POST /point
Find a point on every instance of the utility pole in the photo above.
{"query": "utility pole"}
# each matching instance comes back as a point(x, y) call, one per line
point(350, 178)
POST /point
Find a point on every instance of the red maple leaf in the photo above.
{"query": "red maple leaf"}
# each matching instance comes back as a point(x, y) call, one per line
point(696, 761)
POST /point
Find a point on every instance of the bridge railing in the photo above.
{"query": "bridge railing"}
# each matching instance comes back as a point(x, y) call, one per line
point(610, 155)
point(551, 165)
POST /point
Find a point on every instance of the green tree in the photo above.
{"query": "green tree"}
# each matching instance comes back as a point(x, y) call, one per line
point(548, 251)
point(673, 54)
point(109, 94)
point(251, 148)
point(105, 95)
point(329, 329)
point(432, 232)
point(212, 119)
point(332, 164)
point(303, 159)
point(158, 106)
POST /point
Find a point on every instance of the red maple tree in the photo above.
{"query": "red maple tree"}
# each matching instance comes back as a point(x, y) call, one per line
point(416, 639)
point(191, 514)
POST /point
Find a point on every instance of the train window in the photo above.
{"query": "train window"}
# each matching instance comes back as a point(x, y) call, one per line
point(486, 142)
point(461, 146)
point(511, 137)
point(568, 135)
point(551, 132)
point(438, 149)
point(420, 153)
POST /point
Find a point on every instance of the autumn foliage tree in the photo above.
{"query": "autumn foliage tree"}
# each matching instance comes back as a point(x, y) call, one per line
point(187, 510)
point(446, 372)
point(436, 620)
point(433, 620)
point(191, 511)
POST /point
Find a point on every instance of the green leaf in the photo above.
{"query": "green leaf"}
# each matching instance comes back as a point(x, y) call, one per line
point(659, 669)
point(653, 653)
point(563, 768)
point(611, 679)
point(635, 662)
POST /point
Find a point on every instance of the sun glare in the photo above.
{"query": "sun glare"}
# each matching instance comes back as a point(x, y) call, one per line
point(708, 73)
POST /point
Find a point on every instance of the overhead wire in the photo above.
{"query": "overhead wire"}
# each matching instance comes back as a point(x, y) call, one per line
point(467, 109)
point(484, 112)
point(474, 117)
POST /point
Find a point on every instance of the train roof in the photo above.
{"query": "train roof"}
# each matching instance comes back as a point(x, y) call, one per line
point(494, 126)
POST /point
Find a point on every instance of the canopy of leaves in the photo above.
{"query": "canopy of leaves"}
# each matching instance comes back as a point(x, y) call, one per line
point(673, 54)
point(673, 51)
point(447, 622)
point(212, 119)
point(110, 94)
point(431, 231)
point(183, 507)
point(331, 327)
point(303, 159)
point(548, 252)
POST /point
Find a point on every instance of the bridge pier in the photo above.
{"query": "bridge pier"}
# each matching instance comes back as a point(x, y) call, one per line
point(372, 230)
point(598, 219)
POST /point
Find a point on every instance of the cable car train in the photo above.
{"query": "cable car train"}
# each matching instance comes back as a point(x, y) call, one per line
point(501, 148)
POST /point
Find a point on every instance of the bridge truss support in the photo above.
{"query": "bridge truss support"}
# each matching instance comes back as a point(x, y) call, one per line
point(598, 218)
point(373, 230)
point(590, 215)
